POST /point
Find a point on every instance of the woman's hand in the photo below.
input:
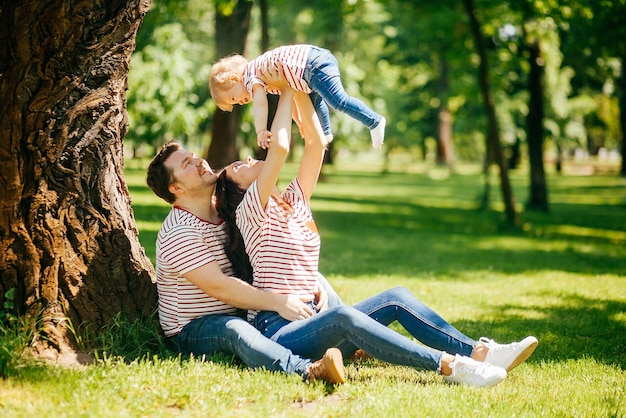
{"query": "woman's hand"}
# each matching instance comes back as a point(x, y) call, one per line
point(272, 73)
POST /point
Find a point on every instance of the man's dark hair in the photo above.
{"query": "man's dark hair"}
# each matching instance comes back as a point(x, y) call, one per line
point(159, 176)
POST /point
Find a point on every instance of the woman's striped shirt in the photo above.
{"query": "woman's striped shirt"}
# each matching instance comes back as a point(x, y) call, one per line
point(283, 246)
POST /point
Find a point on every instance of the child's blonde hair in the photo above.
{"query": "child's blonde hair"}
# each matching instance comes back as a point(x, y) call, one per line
point(224, 74)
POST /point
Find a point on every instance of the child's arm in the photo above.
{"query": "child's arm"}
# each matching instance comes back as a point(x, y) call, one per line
point(259, 111)
point(272, 75)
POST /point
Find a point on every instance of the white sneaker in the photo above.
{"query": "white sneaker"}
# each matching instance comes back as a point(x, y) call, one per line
point(474, 373)
point(508, 356)
point(378, 134)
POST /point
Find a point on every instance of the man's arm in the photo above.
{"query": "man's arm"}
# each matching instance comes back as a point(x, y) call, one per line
point(235, 292)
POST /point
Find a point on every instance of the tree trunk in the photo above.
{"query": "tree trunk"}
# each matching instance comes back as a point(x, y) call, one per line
point(622, 113)
point(516, 154)
point(272, 99)
point(493, 138)
point(444, 117)
point(231, 32)
point(538, 198)
point(68, 241)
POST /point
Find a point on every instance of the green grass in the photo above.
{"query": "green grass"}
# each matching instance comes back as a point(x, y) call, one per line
point(561, 277)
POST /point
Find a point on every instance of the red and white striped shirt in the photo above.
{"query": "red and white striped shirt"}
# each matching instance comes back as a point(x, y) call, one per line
point(184, 243)
point(292, 57)
point(283, 247)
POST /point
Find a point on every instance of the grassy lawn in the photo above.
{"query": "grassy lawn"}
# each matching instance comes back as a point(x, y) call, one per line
point(561, 277)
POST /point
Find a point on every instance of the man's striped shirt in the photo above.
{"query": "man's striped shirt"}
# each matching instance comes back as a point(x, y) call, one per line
point(184, 243)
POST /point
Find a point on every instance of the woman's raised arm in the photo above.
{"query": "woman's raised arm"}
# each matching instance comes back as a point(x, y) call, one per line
point(279, 146)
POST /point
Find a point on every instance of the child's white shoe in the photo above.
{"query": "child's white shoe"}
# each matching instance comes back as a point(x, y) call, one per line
point(378, 134)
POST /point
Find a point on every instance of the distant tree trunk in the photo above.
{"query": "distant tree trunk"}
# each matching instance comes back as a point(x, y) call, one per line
point(516, 154)
point(538, 198)
point(68, 241)
point(558, 166)
point(265, 26)
point(444, 117)
point(272, 99)
point(622, 113)
point(493, 136)
point(231, 32)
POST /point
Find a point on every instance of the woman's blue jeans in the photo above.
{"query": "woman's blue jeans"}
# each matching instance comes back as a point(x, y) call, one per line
point(322, 75)
point(364, 326)
point(233, 335)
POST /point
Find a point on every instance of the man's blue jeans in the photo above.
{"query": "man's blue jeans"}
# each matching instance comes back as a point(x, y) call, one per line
point(233, 335)
point(364, 325)
point(322, 75)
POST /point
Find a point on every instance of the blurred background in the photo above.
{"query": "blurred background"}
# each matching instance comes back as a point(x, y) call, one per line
point(552, 71)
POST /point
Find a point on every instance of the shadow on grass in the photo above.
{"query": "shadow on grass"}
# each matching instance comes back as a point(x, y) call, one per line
point(581, 328)
point(401, 238)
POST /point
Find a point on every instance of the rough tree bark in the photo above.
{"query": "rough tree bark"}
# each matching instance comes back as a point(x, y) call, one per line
point(68, 241)
point(231, 32)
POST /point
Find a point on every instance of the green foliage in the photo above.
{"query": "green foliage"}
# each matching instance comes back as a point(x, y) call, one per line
point(168, 96)
point(163, 103)
point(15, 334)
point(131, 340)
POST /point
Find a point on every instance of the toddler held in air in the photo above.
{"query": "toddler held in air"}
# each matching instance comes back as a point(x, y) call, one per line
point(306, 68)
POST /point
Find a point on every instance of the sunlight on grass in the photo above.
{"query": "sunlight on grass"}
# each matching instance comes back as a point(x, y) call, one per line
point(619, 317)
point(521, 244)
point(619, 237)
point(146, 226)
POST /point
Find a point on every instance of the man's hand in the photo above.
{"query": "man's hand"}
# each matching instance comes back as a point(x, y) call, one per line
point(295, 308)
point(321, 298)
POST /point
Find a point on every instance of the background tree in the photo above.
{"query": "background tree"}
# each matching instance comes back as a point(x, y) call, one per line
point(538, 196)
point(494, 146)
point(68, 240)
point(168, 95)
point(164, 103)
point(232, 23)
point(433, 75)
point(594, 46)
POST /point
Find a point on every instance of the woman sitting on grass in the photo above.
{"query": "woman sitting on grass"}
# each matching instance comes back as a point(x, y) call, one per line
point(283, 246)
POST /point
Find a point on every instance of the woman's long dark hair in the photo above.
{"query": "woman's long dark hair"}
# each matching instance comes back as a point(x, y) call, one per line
point(228, 196)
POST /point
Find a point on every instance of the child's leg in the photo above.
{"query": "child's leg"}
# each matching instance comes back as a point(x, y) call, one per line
point(324, 79)
point(322, 113)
